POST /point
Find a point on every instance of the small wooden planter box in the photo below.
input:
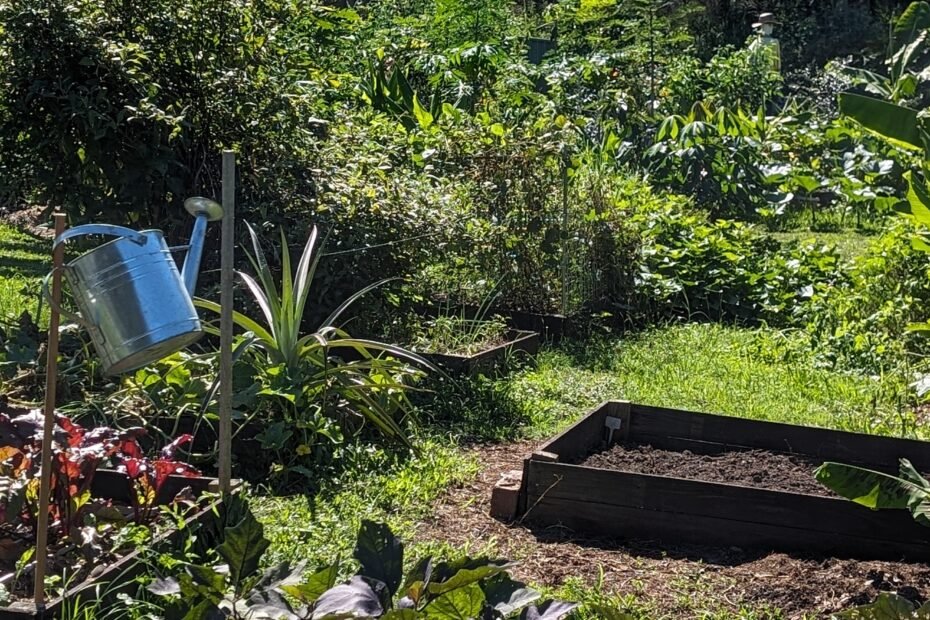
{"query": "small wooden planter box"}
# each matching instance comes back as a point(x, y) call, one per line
point(550, 326)
point(518, 342)
point(632, 505)
point(108, 484)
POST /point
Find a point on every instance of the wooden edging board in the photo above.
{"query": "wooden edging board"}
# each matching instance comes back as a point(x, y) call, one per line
point(108, 484)
point(622, 504)
point(524, 342)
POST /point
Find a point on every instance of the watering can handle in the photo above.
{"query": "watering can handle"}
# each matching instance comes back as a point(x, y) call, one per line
point(101, 229)
point(77, 318)
point(79, 231)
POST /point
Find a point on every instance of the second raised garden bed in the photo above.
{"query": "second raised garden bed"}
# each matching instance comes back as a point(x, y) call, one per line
point(516, 342)
point(678, 508)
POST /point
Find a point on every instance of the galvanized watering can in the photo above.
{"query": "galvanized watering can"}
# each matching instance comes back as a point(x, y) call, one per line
point(132, 299)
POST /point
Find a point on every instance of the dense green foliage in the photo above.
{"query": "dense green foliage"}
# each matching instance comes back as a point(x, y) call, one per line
point(621, 162)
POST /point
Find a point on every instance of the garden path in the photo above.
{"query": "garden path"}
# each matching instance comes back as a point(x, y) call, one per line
point(673, 581)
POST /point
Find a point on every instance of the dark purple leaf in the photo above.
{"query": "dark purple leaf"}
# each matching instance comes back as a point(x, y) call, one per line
point(551, 610)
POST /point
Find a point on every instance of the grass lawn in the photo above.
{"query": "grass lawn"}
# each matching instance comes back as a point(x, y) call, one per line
point(24, 260)
point(703, 367)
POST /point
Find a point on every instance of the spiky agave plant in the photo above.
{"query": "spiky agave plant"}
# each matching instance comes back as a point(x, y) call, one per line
point(373, 388)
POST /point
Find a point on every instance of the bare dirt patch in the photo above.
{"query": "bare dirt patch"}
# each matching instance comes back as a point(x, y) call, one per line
point(675, 581)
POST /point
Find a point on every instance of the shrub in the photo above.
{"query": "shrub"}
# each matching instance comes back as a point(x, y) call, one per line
point(118, 111)
point(733, 77)
point(862, 322)
point(724, 270)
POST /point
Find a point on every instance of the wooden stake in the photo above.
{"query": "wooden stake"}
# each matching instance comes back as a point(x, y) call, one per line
point(51, 382)
point(226, 323)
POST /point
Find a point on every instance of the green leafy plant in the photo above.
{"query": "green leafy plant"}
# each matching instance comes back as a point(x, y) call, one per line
point(887, 606)
point(477, 588)
point(302, 371)
point(877, 490)
point(459, 335)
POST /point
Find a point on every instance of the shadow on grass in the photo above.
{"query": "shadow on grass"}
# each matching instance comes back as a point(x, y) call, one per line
point(471, 409)
point(22, 267)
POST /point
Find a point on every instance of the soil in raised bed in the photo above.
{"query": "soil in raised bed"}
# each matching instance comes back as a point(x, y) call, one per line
point(753, 468)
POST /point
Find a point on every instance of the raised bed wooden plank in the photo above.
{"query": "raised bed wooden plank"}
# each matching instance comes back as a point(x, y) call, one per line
point(592, 518)
point(723, 501)
point(627, 504)
point(518, 342)
point(652, 424)
point(588, 432)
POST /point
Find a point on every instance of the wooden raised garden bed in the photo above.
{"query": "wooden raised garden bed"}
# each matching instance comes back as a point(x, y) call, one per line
point(517, 343)
point(550, 326)
point(627, 504)
point(108, 484)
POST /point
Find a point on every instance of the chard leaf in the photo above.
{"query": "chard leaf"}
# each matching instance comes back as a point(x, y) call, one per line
point(242, 549)
point(381, 554)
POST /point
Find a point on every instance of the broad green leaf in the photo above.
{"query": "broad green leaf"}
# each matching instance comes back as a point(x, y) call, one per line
point(914, 19)
point(918, 198)
point(465, 577)
point(315, 586)
point(424, 118)
point(352, 599)
point(887, 606)
point(873, 489)
point(380, 553)
point(895, 123)
point(507, 595)
point(242, 549)
point(459, 604)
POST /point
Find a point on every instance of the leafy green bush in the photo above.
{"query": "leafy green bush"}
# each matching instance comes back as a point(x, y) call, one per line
point(119, 111)
point(725, 270)
point(713, 155)
point(861, 322)
point(733, 78)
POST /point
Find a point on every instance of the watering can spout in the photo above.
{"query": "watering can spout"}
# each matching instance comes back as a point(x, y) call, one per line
point(204, 210)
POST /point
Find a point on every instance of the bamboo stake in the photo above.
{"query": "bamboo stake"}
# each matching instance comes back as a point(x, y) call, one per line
point(51, 383)
point(226, 324)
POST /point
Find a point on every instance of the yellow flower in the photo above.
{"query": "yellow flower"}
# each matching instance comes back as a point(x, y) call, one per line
point(303, 450)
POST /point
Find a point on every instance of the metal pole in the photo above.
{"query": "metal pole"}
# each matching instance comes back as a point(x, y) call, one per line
point(51, 382)
point(226, 324)
point(564, 256)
